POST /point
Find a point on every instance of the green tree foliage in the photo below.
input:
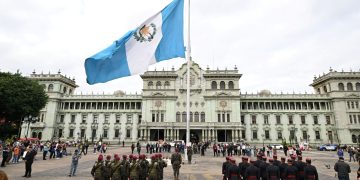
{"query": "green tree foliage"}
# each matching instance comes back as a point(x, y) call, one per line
point(19, 97)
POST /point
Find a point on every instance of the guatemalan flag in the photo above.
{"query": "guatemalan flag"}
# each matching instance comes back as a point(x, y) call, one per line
point(158, 38)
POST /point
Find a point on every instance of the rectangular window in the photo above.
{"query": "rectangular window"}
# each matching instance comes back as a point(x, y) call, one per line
point(71, 133)
point(253, 119)
point(350, 117)
point(291, 119)
point(254, 134)
point(162, 117)
point(267, 134)
point(107, 117)
point(219, 117)
point(304, 135)
point(84, 117)
point(223, 117)
point(266, 119)
point(73, 118)
point(105, 134)
point(62, 117)
point(93, 134)
point(139, 118)
point(95, 118)
point(302, 119)
point(60, 133)
point(278, 119)
point(82, 133)
point(354, 117)
point(242, 119)
point(129, 118)
point(128, 135)
point(292, 134)
point(228, 117)
point(153, 117)
point(157, 117)
point(279, 134)
point(243, 134)
point(316, 120)
point(117, 118)
point(317, 135)
point(116, 133)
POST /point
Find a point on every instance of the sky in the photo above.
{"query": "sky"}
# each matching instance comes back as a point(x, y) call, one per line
point(276, 45)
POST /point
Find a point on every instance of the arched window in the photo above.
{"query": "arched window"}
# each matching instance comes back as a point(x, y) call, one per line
point(184, 116)
point(150, 84)
point(158, 85)
point(70, 91)
point(167, 84)
point(177, 116)
point(34, 135)
point(341, 86)
point(325, 89)
point(202, 117)
point(40, 135)
point(64, 90)
point(222, 85)
point(51, 87)
point(357, 86)
point(231, 85)
point(196, 116)
point(213, 85)
point(353, 137)
point(318, 90)
point(349, 86)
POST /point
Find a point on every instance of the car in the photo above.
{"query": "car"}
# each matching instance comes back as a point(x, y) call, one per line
point(277, 146)
point(172, 143)
point(328, 147)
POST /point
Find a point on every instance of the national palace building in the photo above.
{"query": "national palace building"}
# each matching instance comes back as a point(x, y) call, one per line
point(219, 111)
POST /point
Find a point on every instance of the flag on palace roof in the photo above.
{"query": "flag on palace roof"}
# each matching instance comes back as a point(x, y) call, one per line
point(158, 38)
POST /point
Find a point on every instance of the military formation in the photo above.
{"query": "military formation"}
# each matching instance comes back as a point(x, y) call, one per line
point(269, 169)
point(134, 167)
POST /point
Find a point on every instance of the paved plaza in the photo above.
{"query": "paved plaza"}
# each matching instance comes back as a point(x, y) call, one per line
point(203, 168)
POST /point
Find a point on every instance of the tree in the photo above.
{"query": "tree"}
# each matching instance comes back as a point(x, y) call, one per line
point(19, 97)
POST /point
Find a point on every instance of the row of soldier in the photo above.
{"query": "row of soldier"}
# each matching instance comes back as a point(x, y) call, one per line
point(134, 167)
point(272, 170)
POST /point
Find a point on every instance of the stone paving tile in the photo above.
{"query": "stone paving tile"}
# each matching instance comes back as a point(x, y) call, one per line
point(204, 167)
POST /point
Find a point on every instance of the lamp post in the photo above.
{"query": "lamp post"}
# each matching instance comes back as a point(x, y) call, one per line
point(262, 136)
point(29, 119)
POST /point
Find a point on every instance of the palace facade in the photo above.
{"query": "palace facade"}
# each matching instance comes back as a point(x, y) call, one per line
point(219, 111)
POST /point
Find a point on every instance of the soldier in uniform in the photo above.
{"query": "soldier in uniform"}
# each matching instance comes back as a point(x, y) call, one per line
point(134, 169)
point(263, 167)
point(282, 167)
point(162, 165)
point(115, 168)
point(272, 171)
point(124, 168)
point(242, 166)
point(291, 172)
point(233, 170)
point(258, 160)
point(153, 172)
point(300, 165)
point(310, 172)
point(252, 172)
point(225, 167)
point(144, 166)
point(107, 168)
point(189, 153)
point(276, 162)
point(176, 163)
point(97, 169)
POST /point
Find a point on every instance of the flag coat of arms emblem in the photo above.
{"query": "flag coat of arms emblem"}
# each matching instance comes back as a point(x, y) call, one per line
point(158, 38)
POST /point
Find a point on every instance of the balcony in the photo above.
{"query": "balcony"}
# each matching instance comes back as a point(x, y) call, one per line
point(38, 125)
point(354, 126)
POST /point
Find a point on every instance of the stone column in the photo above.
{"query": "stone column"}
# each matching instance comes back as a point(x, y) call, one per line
point(148, 134)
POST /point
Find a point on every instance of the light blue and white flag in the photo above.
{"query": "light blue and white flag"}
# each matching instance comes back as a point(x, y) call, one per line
point(158, 38)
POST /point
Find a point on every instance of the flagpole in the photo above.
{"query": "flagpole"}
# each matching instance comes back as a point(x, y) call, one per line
point(188, 58)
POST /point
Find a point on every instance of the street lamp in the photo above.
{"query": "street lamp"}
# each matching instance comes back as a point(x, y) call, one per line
point(263, 135)
point(29, 119)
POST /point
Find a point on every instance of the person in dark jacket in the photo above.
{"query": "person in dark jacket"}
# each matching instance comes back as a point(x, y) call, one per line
point(272, 171)
point(276, 162)
point(291, 172)
point(225, 167)
point(233, 170)
point(310, 172)
point(243, 165)
point(5, 155)
point(342, 168)
point(252, 172)
point(263, 167)
point(282, 167)
point(258, 161)
point(300, 165)
point(29, 159)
